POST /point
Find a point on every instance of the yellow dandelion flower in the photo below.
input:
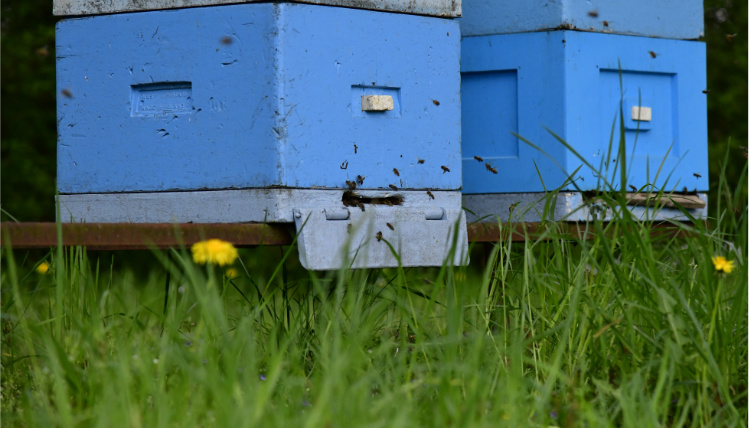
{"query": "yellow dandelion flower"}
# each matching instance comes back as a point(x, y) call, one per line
point(214, 251)
point(723, 265)
point(232, 273)
point(43, 268)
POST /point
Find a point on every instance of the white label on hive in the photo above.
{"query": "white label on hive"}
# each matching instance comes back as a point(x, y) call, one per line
point(155, 99)
point(376, 102)
point(643, 114)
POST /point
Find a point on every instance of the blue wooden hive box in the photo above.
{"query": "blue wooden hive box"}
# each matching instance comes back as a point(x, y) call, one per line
point(540, 77)
point(266, 112)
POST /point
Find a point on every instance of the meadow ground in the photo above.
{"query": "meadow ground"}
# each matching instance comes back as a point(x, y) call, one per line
point(622, 328)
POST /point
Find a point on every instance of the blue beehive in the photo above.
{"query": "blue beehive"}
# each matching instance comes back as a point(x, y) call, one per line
point(673, 19)
point(257, 112)
point(570, 85)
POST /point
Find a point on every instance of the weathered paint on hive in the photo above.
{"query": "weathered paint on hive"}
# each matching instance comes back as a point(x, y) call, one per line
point(443, 8)
point(673, 19)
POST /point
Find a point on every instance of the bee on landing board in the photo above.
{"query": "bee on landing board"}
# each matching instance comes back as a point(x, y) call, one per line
point(379, 236)
point(390, 226)
point(430, 194)
point(393, 186)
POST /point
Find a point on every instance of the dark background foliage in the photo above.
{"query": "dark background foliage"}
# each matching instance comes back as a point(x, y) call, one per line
point(29, 100)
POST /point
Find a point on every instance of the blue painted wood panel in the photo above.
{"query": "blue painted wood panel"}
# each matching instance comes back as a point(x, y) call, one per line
point(256, 95)
point(569, 82)
point(673, 19)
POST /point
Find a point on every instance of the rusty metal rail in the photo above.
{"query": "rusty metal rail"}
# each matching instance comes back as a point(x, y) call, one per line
point(139, 236)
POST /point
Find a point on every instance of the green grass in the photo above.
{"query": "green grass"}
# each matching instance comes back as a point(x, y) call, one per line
point(622, 329)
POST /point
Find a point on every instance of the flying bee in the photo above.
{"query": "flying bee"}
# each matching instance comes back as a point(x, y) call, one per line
point(652, 54)
point(379, 236)
point(420, 161)
point(392, 186)
point(730, 37)
point(605, 23)
point(355, 148)
point(512, 207)
point(360, 179)
point(706, 91)
point(67, 93)
point(634, 189)
point(395, 171)
point(351, 184)
point(593, 14)
point(479, 158)
point(430, 194)
point(348, 228)
point(490, 168)
point(445, 169)
point(390, 226)
point(344, 165)
point(226, 40)
point(435, 102)
point(697, 175)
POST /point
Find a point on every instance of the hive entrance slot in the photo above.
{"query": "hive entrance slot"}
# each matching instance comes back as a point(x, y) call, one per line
point(353, 199)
